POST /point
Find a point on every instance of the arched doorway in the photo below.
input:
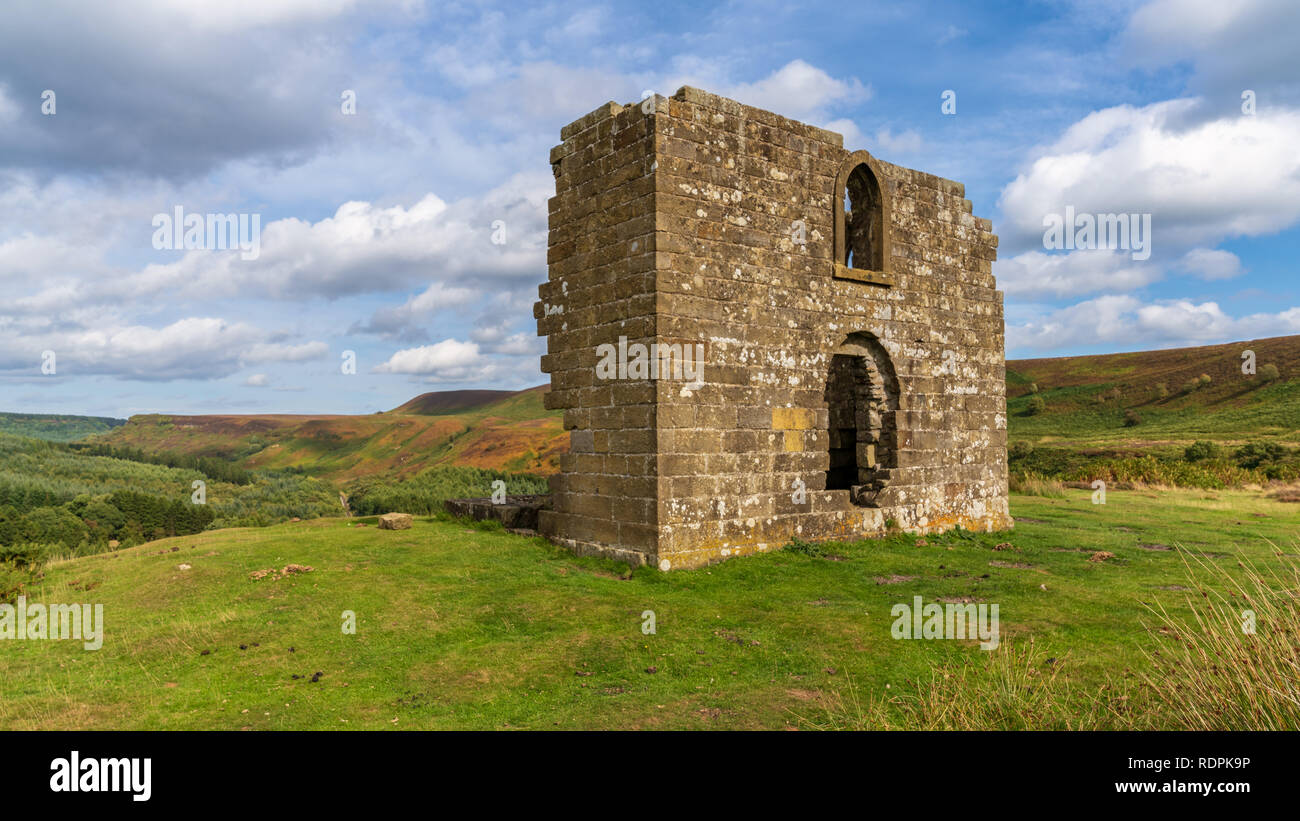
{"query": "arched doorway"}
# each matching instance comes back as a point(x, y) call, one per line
point(862, 406)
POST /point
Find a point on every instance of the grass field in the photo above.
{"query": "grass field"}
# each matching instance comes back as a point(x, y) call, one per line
point(469, 627)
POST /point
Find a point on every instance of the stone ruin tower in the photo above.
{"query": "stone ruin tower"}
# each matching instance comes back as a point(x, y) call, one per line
point(852, 373)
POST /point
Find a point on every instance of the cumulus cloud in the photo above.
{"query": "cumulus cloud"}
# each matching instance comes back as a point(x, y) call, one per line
point(174, 88)
point(1035, 273)
point(366, 248)
point(1117, 321)
point(1211, 264)
point(1248, 44)
point(403, 321)
point(192, 348)
point(904, 142)
point(1201, 181)
point(801, 91)
point(447, 361)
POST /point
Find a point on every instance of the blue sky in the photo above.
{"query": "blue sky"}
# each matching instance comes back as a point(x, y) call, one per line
point(377, 226)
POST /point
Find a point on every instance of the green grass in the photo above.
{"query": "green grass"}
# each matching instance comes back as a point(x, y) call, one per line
point(469, 627)
point(1074, 416)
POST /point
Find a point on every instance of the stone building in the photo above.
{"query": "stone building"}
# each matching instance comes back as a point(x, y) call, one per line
point(757, 335)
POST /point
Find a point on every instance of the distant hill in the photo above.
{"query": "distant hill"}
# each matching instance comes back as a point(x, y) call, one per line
point(444, 402)
point(1087, 400)
point(1160, 394)
point(503, 430)
point(56, 427)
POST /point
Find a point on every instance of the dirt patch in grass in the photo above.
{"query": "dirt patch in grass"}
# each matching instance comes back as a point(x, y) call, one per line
point(275, 575)
point(894, 579)
point(1016, 566)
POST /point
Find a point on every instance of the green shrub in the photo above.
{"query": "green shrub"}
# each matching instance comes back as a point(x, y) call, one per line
point(1199, 451)
point(1269, 373)
point(797, 545)
point(1253, 455)
point(1019, 450)
point(28, 554)
point(1036, 405)
point(54, 525)
point(1131, 418)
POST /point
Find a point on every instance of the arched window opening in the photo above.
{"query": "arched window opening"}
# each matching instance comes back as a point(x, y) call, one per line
point(863, 221)
point(862, 403)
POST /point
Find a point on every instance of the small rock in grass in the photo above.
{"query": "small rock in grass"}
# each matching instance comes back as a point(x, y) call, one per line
point(395, 521)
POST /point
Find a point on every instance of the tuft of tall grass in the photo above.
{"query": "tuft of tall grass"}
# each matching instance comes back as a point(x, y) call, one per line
point(1016, 687)
point(1219, 675)
point(1206, 672)
point(1032, 484)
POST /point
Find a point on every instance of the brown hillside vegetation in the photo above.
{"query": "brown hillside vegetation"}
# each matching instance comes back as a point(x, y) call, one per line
point(505, 430)
point(443, 402)
point(1145, 369)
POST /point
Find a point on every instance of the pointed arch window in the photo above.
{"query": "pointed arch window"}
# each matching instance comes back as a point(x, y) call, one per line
point(861, 222)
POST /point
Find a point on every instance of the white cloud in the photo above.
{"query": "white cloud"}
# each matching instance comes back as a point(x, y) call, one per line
point(236, 15)
point(190, 348)
point(520, 344)
point(905, 142)
point(447, 355)
point(800, 91)
point(1211, 264)
point(365, 248)
point(8, 106)
point(403, 320)
point(1035, 273)
point(258, 380)
point(1201, 180)
point(1118, 321)
point(1233, 46)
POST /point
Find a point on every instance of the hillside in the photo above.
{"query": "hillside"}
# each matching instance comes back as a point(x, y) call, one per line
point(501, 430)
point(1088, 399)
point(56, 427)
point(443, 402)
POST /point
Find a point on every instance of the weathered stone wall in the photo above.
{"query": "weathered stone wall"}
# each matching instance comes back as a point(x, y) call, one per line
point(703, 221)
point(600, 287)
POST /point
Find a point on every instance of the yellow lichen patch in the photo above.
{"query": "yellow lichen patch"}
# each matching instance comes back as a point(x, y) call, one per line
point(792, 419)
